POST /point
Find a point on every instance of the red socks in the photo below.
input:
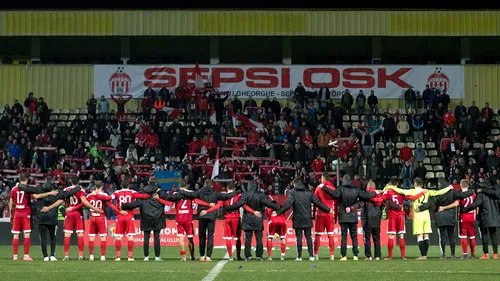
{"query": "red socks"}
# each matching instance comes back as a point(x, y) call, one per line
point(130, 248)
point(183, 253)
point(229, 247)
point(472, 246)
point(118, 245)
point(66, 246)
point(390, 247)
point(15, 246)
point(317, 244)
point(283, 248)
point(80, 246)
point(463, 243)
point(269, 248)
point(331, 244)
point(26, 246)
point(104, 247)
point(402, 247)
point(91, 248)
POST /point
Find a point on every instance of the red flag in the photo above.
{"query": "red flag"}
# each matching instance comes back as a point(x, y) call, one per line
point(198, 78)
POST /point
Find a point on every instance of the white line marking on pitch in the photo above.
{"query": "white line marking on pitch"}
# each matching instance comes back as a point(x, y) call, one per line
point(216, 270)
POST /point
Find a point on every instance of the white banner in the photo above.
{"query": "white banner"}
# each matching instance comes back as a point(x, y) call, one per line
point(280, 81)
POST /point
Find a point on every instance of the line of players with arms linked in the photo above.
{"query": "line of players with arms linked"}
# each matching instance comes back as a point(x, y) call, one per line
point(325, 205)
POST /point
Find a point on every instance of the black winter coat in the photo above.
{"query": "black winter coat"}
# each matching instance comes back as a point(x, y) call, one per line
point(257, 201)
point(371, 215)
point(447, 217)
point(207, 194)
point(152, 213)
point(50, 217)
point(348, 196)
point(301, 199)
point(489, 211)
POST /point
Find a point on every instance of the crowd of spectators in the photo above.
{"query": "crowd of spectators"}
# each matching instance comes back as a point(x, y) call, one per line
point(275, 141)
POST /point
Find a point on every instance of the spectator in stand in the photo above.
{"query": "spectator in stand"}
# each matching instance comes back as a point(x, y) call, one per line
point(159, 104)
point(491, 162)
point(17, 109)
point(460, 110)
point(323, 140)
point(405, 153)
point(203, 108)
point(418, 126)
point(360, 103)
point(300, 95)
point(445, 100)
point(15, 149)
point(149, 92)
point(318, 165)
point(324, 95)
point(474, 111)
point(481, 156)
point(449, 118)
point(420, 154)
point(389, 125)
point(410, 98)
point(120, 104)
point(276, 108)
point(482, 130)
point(420, 171)
point(146, 106)
point(403, 128)
point(28, 100)
point(92, 106)
point(364, 172)
point(407, 175)
point(103, 107)
point(373, 103)
point(426, 96)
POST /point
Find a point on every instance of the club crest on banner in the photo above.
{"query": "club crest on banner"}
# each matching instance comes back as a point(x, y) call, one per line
point(111, 231)
point(120, 82)
point(439, 80)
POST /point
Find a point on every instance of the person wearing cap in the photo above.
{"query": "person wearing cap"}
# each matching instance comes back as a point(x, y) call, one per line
point(47, 221)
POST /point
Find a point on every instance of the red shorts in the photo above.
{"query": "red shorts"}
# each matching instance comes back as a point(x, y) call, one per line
point(396, 225)
point(98, 226)
point(22, 222)
point(276, 228)
point(125, 227)
point(466, 229)
point(232, 229)
point(73, 222)
point(185, 229)
point(324, 222)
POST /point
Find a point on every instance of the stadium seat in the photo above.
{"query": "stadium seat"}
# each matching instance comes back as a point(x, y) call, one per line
point(411, 145)
point(435, 160)
point(429, 167)
point(74, 111)
point(84, 111)
point(488, 145)
point(429, 175)
point(63, 117)
point(69, 124)
point(409, 139)
point(55, 111)
point(438, 168)
point(355, 118)
point(62, 151)
point(427, 160)
point(64, 111)
point(61, 124)
point(381, 145)
point(346, 118)
point(153, 110)
point(53, 117)
point(131, 111)
point(430, 145)
point(83, 117)
point(399, 145)
point(392, 111)
point(71, 117)
point(383, 153)
point(472, 161)
point(476, 145)
point(495, 131)
point(440, 175)
point(432, 153)
point(87, 144)
point(152, 159)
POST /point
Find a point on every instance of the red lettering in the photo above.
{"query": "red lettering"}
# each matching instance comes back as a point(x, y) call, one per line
point(285, 78)
point(218, 79)
point(334, 77)
point(159, 76)
point(395, 77)
point(265, 81)
point(353, 75)
point(187, 75)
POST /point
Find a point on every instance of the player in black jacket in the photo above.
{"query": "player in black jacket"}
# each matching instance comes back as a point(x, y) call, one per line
point(487, 199)
point(445, 208)
point(251, 223)
point(152, 219)
point(349, 197)
point(207, 222)
point(47, 221)
point(301, 199)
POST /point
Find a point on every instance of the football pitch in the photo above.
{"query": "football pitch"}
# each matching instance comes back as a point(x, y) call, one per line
point(219, 269)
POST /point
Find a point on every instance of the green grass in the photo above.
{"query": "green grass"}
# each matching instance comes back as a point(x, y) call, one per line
point(173, 269)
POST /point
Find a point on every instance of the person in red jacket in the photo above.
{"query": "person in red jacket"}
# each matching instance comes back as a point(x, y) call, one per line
point(43, 138)
point(449, 118)
point(347, 147)
point(405, 153)
point(307, 139)
point(195, 146)
point(160, 103)
point(203, 108)
point(317, 164)
point(141, 138)
point(152, 140)
point(146, 105)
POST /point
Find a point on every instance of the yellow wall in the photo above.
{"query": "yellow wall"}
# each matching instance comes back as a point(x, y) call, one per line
point(250, 23)
point(69, 86)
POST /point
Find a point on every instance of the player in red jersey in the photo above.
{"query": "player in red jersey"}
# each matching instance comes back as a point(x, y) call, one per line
point(276, 230)
point(125, 219)
point(74, 217)
point(98, 225)
point(396, 219)
point(466, 223)
point(325, 221)
point(20, 216)
point(183, 217)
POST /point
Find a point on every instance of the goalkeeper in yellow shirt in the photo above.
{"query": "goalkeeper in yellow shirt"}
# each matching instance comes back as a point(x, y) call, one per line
point(421, 220)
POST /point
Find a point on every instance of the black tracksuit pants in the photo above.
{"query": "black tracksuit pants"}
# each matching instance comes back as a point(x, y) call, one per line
point(206, 226)
point(51, 230)
point(492, 231)
point(447, 231)
point(368, 233)
point(248, 243)
point(307, 232)
point(156, 235)
point(353, 229)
